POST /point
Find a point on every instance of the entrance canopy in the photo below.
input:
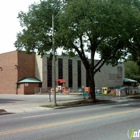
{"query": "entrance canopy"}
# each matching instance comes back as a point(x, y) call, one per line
point(129, 80)
point(29, 80)
point(61, 81)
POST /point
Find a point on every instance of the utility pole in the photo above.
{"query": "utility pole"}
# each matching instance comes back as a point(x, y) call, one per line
point(54, 66)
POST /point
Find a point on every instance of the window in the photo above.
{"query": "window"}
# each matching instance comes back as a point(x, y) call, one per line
point(49, 72)
point(70, 73)
point(79, 73)
point(119, 72)
point(60, 68)
point(87, 79)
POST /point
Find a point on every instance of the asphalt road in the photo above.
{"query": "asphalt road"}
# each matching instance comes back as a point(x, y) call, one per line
point(111, 121)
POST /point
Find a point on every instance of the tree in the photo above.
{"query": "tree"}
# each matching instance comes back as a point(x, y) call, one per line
point(37, 26)
point(132, 69)
point(108, 27)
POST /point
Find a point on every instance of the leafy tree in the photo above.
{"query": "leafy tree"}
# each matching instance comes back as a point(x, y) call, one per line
point(132, 69)
point(37, 26)
point(108, 27)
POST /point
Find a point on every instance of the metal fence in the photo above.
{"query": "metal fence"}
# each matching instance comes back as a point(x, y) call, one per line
point(103, 90)
point(123, 90)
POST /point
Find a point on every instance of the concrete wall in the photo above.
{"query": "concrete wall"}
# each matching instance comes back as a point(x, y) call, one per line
point(108, 76)
point(38, 67)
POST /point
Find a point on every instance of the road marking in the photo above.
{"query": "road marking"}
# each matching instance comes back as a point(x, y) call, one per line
point(40, 115)
point(67, 122)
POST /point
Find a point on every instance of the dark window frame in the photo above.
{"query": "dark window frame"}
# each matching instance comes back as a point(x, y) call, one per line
point(70, 73)
point(79, 74)
point(60, 68)
point(49, 72)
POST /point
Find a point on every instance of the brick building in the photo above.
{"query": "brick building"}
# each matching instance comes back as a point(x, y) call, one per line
point(22, 73)
point(14, 67)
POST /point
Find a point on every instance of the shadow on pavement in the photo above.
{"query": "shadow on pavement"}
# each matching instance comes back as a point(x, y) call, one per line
point(6, 101)
point(99, 102)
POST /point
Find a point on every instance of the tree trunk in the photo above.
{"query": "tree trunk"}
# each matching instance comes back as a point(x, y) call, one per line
point(92, 89)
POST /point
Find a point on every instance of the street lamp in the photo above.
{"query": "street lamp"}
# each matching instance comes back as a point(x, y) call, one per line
point(54, 66)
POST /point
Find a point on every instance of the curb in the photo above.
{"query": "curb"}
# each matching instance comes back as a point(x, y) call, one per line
point(2, 111)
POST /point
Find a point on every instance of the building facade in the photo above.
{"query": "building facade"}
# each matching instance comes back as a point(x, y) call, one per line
point(15, 66)
point(73, 72)
point(22, 73)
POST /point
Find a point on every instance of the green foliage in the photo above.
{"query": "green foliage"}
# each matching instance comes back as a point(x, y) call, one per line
point(131, 69)
point(69, 54)
point(36, 24)
point(109, 27)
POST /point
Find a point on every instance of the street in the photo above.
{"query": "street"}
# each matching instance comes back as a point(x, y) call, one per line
point(110, 121)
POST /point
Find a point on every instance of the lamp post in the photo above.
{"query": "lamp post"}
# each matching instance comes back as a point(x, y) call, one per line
point(54, 66)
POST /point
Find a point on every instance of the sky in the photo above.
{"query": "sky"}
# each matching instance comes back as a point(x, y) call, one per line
point(9, 23)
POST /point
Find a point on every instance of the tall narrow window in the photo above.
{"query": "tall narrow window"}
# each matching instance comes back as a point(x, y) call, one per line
point(87, 79)
point(79, 73)
point(60, 68)
point(49, 72)
point(70, 74)
point(119, 72)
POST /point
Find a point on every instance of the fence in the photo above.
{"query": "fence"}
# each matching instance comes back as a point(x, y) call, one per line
point(101, 90)
point(124, 90)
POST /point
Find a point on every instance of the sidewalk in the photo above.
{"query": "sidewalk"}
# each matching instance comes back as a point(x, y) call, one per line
point(21, 108)
point(21, 104)
point(27, 103)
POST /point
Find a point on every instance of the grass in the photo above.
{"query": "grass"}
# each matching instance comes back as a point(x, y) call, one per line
point(106, 94)
point(66, 104)
point(75, 103)
point(2, 111)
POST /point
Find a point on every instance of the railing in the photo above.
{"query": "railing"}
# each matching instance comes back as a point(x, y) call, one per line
point(123, 90)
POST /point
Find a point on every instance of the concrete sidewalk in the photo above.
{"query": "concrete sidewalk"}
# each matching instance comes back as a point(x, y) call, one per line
point(21, 108)
point(27, 103)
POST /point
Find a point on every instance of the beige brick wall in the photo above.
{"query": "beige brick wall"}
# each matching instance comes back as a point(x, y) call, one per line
point(8, 72)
